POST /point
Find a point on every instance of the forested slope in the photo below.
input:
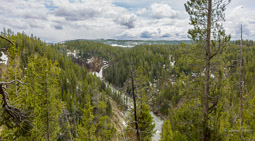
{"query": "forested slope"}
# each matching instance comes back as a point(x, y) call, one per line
point(56, 99)
point(173, 77)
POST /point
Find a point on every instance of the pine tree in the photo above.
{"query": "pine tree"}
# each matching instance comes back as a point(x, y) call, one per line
point(205, 16)
point(15, 120)
point(109, 108)
point(86, 129)
point(13, 71)
point(42, 77)
point(142, 88)
point(104, 129)
point(167, 133)
point(145, 122)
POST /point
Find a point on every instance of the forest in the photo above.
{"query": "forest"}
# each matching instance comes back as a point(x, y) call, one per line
point(81, 90)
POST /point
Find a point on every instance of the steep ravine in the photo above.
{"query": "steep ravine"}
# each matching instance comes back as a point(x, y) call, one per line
point(158, 121)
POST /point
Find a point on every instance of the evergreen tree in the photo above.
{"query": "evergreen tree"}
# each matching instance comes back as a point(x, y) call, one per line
point(208, 33)
point(13, 70)
point(86, 129)
point(142, 88)
point(145, 122)
point(109, 108)
point(167, 133)
point(44, 91)
point(15, 120)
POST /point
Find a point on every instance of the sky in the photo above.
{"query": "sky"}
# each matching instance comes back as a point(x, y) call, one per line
point(60, 20)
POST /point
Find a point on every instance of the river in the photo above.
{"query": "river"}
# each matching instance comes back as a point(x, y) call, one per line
point(158, 121)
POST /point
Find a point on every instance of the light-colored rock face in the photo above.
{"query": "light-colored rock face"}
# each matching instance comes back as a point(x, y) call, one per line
point(117, 119)
point(3, 63)
point(3, 58)
point(94, 64)
point(74, 54)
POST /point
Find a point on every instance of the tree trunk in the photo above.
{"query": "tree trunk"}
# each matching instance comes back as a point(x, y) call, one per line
point(48, 126)
point(133, 93)
point(66, 118)
point(89, 134)
point(206, 134)
point(15, 78)
point(74, 122)
point(241, 85)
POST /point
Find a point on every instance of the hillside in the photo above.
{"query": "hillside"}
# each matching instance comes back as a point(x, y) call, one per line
point(52, 86)
point(88, 86)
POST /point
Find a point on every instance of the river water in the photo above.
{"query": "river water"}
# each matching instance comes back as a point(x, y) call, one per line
point(158, 121)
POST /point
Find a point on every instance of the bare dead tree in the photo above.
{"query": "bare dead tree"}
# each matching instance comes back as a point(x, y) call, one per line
point(135, 110)
point(15, 115)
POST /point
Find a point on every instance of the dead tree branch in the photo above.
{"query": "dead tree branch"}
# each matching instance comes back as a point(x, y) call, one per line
point(7, 39)
point(14, 114)
point(10, 82)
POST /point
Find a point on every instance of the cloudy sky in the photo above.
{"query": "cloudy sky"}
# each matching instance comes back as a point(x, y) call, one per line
point(59, 20)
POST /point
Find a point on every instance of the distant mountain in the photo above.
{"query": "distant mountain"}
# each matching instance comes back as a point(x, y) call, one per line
point(132, 43)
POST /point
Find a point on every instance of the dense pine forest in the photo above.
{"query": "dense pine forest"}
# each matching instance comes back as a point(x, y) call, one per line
point(50, 97)
point(57, 98)
point(81, 90)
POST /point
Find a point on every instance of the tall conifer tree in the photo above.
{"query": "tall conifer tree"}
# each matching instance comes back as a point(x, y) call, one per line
point(206, 17)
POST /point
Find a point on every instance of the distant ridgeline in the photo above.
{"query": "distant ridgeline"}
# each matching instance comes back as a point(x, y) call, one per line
point(244, 42)
point(133, 43)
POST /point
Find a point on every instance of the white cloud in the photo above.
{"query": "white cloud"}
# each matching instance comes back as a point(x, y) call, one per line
point(85, 19)
point(158, 21)
point(158, 29)
point(162, 11)
point(237, 16)
point(142, 11)
point(126, 20)
point(58, 20)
